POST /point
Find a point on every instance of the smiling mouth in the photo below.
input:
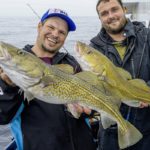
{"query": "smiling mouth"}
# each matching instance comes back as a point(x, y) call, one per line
point(52, 40)
point(113, 22)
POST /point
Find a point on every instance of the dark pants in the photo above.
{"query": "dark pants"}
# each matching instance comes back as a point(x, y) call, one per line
point(108, 140)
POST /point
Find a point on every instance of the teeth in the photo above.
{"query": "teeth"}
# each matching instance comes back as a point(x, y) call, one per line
point(51, 40)
point(113, 21)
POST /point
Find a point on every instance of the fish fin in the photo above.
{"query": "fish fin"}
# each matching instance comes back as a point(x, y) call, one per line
point(130, 137)
point(87, 76)
point(65, 68)
point(100, 70)
point(116, 101)
point(125, 74)
point(91, 78)
point(28, 95)
point(106, 120)
point(139, 83)
point(20, 91)
point(102, 75)
point(132, 103)
point(46, 80)
point(118, 97)
point(107, 80)
point(113, 94)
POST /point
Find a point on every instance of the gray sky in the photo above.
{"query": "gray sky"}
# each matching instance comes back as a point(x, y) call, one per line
point(73, 7)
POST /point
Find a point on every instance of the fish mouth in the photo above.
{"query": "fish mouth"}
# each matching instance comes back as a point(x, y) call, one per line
point(4, 55)
point(80, 58)
point(84, 65)
point(78, 52)
point(21, 78)
point(76, 47)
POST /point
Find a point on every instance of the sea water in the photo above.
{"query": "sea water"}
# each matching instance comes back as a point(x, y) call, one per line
point(20, 31)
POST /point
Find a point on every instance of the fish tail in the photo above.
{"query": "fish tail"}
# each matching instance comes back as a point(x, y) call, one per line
point(130, 137)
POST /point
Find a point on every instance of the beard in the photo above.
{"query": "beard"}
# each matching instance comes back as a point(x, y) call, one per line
point(115, 30)
point(52, 51)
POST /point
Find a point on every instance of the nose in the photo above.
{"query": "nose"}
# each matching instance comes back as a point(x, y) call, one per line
point(110, 14)
point(55, 33)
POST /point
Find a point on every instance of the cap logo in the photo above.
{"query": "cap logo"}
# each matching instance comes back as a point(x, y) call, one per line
point(57, 11)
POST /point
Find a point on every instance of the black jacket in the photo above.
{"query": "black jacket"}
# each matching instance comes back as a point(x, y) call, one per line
point(136, 61)
point(10, 101)
point(50, 127)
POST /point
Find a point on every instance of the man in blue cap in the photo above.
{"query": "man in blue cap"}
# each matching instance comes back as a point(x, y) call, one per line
point(47, 126)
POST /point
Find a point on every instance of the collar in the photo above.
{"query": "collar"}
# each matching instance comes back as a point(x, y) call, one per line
point(103, 37)
point(58, 57)
point(129, 30)
point(55, 60)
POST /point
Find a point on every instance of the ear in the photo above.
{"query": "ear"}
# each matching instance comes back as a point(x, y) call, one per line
point(39, 26)
point(125, 10)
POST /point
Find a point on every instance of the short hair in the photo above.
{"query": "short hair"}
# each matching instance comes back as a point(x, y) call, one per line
point(99, 1)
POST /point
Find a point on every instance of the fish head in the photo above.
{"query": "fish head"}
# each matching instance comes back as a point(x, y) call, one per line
point(87, 56)
point(19, 65)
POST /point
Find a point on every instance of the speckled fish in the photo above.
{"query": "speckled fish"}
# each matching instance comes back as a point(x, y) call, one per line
point(117, 80)
point(53, 85)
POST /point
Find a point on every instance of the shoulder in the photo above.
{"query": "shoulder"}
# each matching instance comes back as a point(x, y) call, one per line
point(27, 47)
point(73, 62)
point(70, 57)
point(66, 58)
point(100, 41)
point(141, 28)
point(142, 33)
point(98, 45)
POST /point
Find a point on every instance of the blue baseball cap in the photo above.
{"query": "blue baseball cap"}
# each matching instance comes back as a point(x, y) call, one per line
point(62, 14)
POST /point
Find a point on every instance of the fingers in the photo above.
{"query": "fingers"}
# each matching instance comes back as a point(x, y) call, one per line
point(1, 70)
point(76, 110)
point(143, 105)
point(82, 109)
point(5, 78)
point(73, 110)
point(87, 111)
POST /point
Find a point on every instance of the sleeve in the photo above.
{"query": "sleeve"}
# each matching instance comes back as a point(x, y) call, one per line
point(73, 62)
point(148, 83)
point(10, 101)
point(148, 40)
point(99, 47)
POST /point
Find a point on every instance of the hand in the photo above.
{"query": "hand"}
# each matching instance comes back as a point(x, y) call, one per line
point(5, 78)
point(143, 105)
point(76, 110)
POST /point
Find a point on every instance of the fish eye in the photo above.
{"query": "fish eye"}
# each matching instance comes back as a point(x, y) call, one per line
point(89, 52)
point(20, 52)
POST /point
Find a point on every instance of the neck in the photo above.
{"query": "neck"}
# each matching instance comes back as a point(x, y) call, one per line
point(117, 37)
point(39, 52)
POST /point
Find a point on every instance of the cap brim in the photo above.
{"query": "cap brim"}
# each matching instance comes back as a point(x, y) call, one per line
point(71, 24)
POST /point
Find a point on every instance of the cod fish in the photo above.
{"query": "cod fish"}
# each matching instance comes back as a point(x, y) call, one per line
point(54, 85)
point(117, 81)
